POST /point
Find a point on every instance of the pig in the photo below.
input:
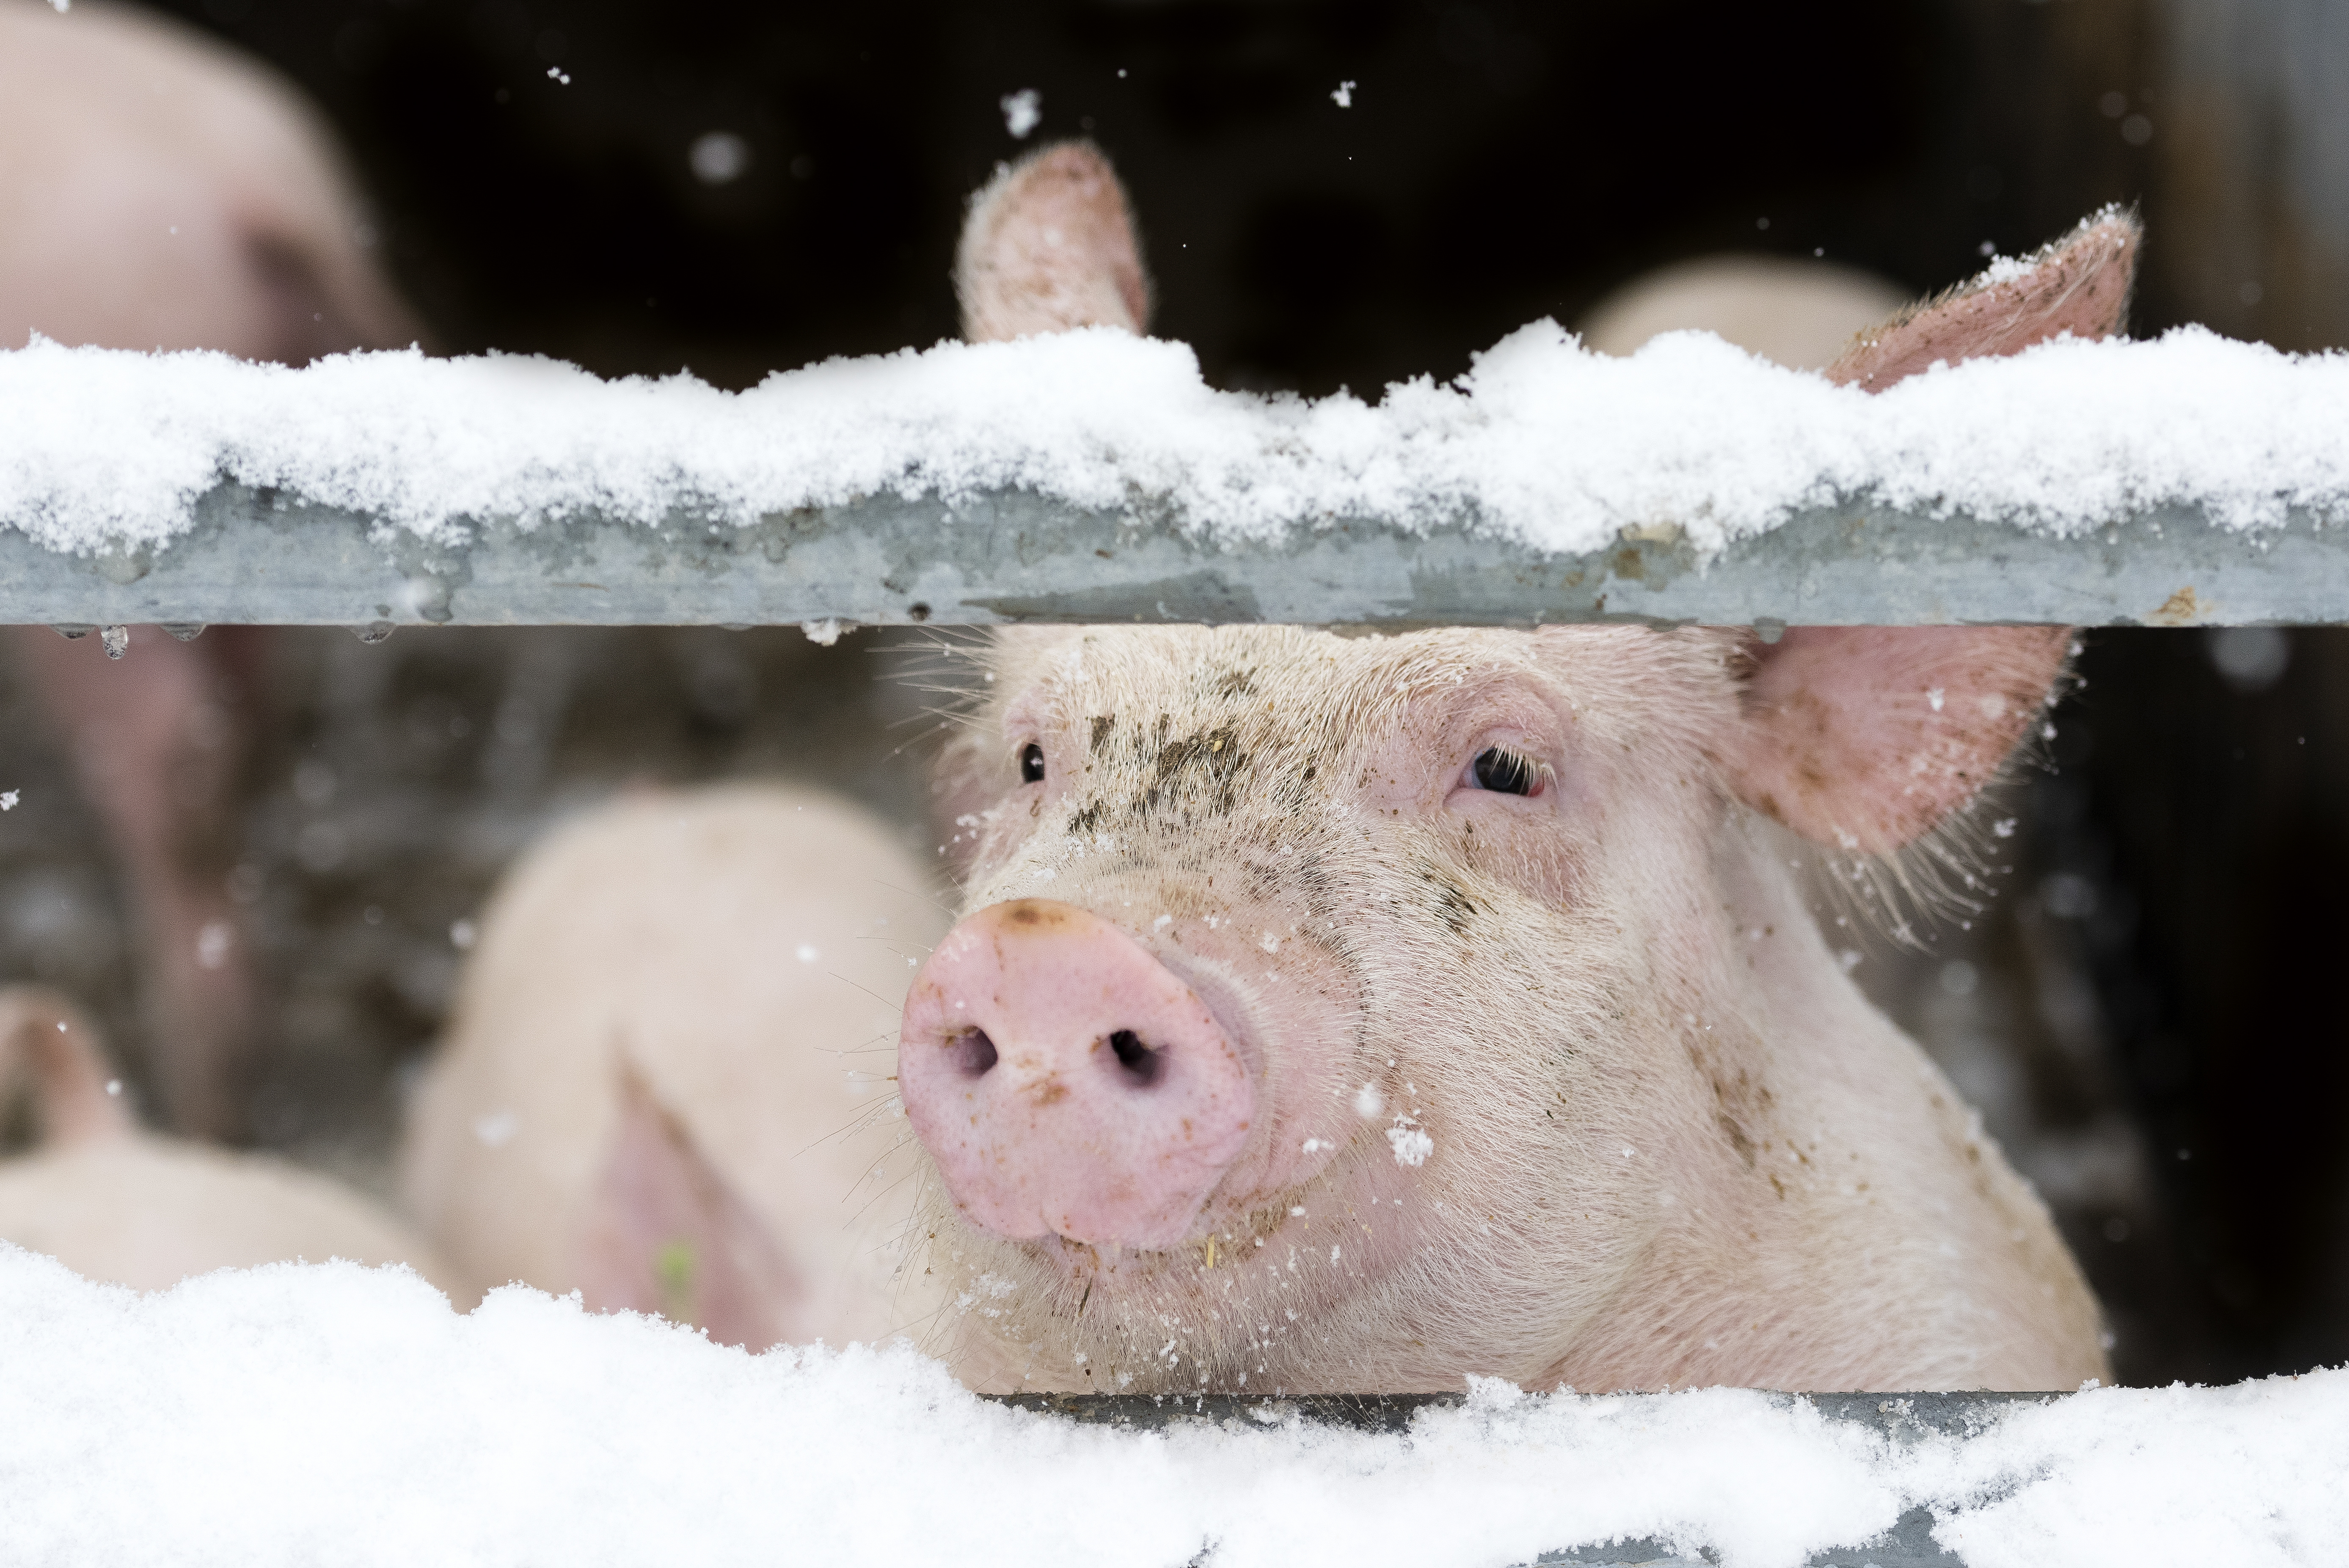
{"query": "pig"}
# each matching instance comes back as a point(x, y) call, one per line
point(1801, 314)
point(165, 191)
point(158, 190)
point(1337, 1013)
point(131, 1208)
point(665, 1083)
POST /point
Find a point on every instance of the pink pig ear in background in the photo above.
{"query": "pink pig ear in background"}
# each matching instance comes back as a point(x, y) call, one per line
point(669, 1236)
point(52, 1044)
point(1049, 245)
point(2079, 284)
point(1864, 738)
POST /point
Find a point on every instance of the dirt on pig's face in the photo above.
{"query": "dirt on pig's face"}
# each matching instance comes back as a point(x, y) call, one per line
point(1448, 897)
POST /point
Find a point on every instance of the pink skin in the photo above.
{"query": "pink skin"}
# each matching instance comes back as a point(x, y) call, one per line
point(1554, 1077)
point(158, 190)
point(1062, 254)
point(666, 1083)
point(1066, 1082)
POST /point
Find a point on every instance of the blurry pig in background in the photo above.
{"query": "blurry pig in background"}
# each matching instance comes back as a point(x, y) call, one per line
point(128, 1208)
point(1801, 314)
point(1337, 1013)
point(665, 1081)
point(157, 191)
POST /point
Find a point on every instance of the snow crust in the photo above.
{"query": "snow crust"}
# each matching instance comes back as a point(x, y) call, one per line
point(300, 1414)
point(1540, 439)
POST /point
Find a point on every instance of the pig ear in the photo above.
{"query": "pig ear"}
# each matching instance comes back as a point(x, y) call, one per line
point(2079, 284)
point(1049, 245)
point(669, 1236)
point(1864, 738)
point(50, 1040)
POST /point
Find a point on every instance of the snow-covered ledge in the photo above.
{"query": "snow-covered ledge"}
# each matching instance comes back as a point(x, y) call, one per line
point(1095, 477)
point(300, 1414)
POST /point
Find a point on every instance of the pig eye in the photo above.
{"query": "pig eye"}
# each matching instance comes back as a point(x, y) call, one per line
point(1504, 772)
point(1032, 764)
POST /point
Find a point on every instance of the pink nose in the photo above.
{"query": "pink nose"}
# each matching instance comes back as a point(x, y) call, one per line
point(1066, 1081)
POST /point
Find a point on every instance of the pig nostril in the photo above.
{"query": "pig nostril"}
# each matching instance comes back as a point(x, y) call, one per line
point(974, 1052)
point(1139, 1061)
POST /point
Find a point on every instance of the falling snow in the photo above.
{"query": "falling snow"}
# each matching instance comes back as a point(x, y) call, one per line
point(1022, 112)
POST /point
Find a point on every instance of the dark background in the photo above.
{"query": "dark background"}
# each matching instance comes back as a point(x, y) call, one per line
point(2152, 1015)
point(1501, 161)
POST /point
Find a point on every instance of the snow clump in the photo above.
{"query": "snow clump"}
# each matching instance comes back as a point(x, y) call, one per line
point(294, 1414)
point(1541, 441)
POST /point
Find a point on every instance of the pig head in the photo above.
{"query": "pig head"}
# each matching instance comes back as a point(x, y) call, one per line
point(1334, 1012)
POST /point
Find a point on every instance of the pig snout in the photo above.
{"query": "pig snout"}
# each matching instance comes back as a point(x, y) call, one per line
point(1068, 1083)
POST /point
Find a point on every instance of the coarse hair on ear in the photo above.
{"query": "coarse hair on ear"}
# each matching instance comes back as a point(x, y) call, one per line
point(1872, 739)
point(1049, 245)
point(2078, 285)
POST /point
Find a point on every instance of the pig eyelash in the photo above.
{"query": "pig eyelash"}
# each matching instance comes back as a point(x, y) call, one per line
point(1502, 771)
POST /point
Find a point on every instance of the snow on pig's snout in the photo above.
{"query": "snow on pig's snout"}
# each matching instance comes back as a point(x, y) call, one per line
point(1067, 1082)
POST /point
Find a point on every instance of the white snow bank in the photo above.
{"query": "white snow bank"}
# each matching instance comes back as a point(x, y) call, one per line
point(1541, 440)
point(304, 1414)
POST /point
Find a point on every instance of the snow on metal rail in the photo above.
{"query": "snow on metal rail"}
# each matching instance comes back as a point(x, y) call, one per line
point(258, 556)
point(1902, 1418)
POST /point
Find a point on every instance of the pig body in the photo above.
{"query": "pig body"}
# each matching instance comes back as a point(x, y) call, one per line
point(666, 1081)
point(125, 1207)
point(1341, 1013)
point(163, 191)
point(158, 190)
point(1801, 314)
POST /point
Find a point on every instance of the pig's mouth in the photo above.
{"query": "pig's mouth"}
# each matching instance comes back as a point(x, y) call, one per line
point(1247, 1302)
point(1246, 1299)
point(1230, 1244)
point(1311, 1228)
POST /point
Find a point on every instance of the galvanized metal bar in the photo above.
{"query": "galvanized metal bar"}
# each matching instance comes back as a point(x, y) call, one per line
point(1901, 1418)
point(265, 558)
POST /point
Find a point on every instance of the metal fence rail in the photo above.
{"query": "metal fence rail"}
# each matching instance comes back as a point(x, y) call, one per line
point(1900, 1418)
point(265, 557)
